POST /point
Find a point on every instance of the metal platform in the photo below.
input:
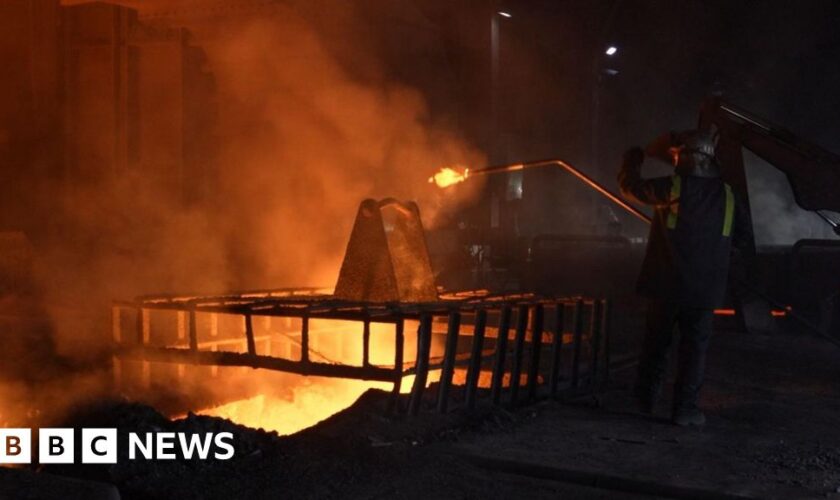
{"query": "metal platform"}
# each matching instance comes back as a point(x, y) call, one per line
point(279, 330)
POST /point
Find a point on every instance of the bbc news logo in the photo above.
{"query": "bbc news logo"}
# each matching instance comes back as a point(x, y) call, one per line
point(99, 446)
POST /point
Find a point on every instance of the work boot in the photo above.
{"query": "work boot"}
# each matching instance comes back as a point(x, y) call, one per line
point(685, 417)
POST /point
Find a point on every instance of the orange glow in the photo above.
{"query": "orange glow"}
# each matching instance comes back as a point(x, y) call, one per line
point(674, 152)
point(315, 399)
point(776, 313)
point(780, 313)
point(310, 403)
point(448, 176)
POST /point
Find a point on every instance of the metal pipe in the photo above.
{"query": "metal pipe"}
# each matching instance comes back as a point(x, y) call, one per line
point(497, 169)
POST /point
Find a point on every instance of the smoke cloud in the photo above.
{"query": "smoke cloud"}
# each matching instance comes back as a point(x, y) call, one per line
point(777, 219)
point(302, 137)
point(305, 142)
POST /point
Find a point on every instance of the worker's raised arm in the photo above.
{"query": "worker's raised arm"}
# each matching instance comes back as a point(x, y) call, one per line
point(647, 191)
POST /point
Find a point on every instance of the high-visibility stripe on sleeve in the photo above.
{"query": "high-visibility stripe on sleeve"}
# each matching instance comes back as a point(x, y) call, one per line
point(674, 202)
point(729, 214)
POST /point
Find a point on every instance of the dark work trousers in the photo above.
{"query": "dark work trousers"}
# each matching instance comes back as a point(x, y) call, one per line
point(695, 327)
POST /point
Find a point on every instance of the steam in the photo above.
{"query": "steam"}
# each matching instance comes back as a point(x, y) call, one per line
point(777, 219)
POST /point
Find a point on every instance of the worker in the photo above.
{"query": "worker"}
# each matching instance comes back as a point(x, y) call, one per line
point(697, 221)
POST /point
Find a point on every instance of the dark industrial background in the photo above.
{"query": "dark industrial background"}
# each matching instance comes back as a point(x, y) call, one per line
point(75, 69)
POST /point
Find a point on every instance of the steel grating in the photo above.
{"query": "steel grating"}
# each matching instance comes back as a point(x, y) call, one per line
point(263, 320)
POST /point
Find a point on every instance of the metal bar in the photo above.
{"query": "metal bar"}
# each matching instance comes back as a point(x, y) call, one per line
point(349, 312)
point(399, 348)
point(462, 359)
point(606, 324)
point(518, 347)
point(225, 358)
point(139, 326)
point(572, 170)
point(449, 354)
point(193, 332)
point(501, 349)
point(474, 369)
point(144, 335)
point(557, 347)
point(536, 346)
point(424, 345)
point(366, 343)
point(249, 335)
point(304, 339)
point(595, 341)
point(578, 333)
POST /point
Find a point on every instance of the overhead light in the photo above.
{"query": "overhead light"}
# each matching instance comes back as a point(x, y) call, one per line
point(611, 50)
point(504, 14)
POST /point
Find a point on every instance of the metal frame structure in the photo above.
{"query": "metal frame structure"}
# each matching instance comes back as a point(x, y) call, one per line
point(584, 324)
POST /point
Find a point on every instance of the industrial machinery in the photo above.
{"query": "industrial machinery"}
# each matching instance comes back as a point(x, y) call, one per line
point(533, 232)
point(385, 321)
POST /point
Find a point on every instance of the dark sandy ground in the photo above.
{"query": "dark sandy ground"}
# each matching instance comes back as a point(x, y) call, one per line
point(773, 404)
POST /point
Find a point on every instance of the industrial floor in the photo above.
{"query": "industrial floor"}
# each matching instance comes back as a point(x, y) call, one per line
point(773, 407)
point(773, 431)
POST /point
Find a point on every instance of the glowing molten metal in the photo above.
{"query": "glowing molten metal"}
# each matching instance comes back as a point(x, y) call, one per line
point(309, 400)
point(448, 176)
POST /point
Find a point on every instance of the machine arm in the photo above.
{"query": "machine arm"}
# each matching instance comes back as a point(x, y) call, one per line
point(812, 171)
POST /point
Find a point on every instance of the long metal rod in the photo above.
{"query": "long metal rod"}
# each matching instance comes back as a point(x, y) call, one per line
point(572, 170)
point(224, 358)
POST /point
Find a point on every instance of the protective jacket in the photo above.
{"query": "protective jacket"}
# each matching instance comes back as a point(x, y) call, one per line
point(695, 221)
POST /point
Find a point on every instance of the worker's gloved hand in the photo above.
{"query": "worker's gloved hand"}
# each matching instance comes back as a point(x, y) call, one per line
point(660, 147)
point(634, 156)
